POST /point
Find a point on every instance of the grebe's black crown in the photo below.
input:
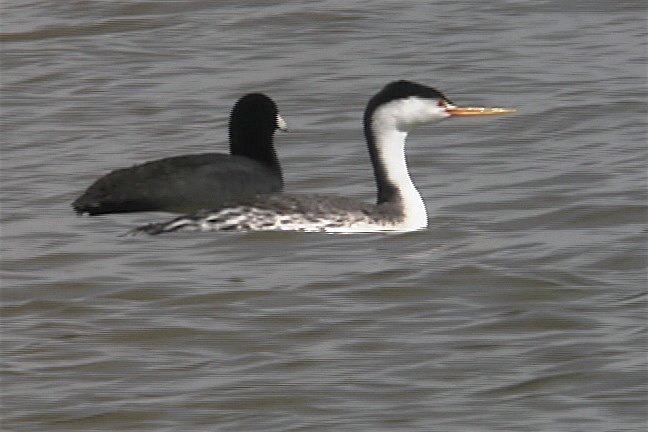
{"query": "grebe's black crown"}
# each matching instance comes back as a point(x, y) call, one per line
point(402, 90)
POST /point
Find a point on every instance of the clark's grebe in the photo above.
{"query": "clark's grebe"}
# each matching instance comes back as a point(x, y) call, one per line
point(198, 181)
point(389, 116)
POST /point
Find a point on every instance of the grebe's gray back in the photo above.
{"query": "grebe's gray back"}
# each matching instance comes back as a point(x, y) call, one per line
point(390, 115)
point(197, 181)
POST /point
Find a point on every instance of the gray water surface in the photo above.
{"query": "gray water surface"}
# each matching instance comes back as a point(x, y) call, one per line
point(521, 308)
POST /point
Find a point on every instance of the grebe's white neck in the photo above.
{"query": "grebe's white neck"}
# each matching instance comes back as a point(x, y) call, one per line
point(395, 185)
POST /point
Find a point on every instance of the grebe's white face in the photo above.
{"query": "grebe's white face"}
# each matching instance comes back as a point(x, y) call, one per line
point(405, 114)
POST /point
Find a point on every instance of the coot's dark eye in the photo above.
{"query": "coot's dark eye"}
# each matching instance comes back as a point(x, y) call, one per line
point(441, 103)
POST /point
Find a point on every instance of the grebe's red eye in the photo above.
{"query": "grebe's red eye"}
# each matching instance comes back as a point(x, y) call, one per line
point(441, 103)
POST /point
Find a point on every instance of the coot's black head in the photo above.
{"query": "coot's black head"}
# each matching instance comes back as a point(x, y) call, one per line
point(256, 111)
point(252, 124)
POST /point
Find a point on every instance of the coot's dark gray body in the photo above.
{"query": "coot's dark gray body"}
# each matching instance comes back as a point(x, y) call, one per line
point(179, 184)
point(198, 181)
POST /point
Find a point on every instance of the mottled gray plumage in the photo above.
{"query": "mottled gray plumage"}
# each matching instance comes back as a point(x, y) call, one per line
point(282, 211)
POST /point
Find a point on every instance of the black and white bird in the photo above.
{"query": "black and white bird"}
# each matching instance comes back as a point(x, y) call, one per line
point(390, 115)
point(199, 181)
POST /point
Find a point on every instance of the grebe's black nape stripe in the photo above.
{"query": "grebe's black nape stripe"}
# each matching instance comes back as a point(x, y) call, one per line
point(198, 181)
point(390, 115)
